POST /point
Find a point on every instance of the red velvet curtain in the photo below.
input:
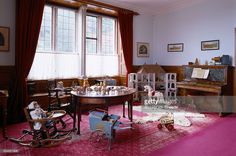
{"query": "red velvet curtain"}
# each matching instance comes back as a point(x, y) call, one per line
point(28, 22)
point(125, 20)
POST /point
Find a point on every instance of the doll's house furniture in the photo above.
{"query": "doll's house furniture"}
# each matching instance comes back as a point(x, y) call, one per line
point(162, 82)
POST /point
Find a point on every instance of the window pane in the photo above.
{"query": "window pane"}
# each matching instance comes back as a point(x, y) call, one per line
point(91, 46)
point(91, 26)
point(55, 65)
point(49, 65)
point(108, 36)
point(65, 34)
point(101, 65)
point(45, 36)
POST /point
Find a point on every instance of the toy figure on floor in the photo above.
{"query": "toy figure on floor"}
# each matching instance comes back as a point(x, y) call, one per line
point(167, 121)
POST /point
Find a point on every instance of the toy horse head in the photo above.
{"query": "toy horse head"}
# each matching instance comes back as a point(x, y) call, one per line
point(147, 88)
point(153, 93)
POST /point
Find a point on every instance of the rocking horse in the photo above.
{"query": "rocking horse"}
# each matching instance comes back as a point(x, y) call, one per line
point(153, 93)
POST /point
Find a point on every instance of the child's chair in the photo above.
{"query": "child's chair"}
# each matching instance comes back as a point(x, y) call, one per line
point(43, 128)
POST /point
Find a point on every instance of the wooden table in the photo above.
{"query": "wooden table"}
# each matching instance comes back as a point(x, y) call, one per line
point(82, 99)
point(3, 107)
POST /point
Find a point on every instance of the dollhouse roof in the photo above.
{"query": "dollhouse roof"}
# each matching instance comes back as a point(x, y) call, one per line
point(151, 68)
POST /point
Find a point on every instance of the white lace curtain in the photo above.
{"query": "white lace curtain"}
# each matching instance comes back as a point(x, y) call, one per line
point(61, 65)
point(50, 65)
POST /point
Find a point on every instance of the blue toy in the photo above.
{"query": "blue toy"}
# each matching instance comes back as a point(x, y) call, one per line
point(103, 127)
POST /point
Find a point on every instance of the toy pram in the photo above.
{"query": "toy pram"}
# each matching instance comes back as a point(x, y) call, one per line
point(103, 127)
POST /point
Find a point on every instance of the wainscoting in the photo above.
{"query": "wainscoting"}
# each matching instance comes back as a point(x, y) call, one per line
point(6, 76)
point(180, 74)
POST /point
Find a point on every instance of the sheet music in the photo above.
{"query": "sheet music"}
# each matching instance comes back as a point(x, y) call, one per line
point(206, 73)
point(200, 73)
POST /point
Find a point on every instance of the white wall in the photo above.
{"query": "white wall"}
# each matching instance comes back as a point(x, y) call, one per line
point(143, 32)
point(7, 19)
point(211, 20)
point(215, 19)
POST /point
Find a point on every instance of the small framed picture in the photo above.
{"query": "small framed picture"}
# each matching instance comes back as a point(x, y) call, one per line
point(210, 45)
point(175, 47)
point(4, 38)
point(143, 49)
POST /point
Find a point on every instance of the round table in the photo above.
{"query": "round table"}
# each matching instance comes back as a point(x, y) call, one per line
point(121, 98)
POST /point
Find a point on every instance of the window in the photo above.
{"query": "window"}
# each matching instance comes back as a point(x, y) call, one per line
point(65, 35)
point(58, 53)
point(45, 36)
point(91, 34)
point(56, 56)
point(108, 36)
point(101, 40)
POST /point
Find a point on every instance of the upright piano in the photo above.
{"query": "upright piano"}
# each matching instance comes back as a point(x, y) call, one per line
point(218, 82)
point(212, 94)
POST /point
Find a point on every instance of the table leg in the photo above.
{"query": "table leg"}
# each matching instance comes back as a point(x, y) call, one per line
point(4, 121)
point(107, 105)
point(79, 118)
point(131, 109)
point(76, 103)
point(124, 109)
point(128, 109)
point(75, 110)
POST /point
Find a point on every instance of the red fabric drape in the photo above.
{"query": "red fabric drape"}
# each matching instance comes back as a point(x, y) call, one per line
point(125, 20)
point(28, 22)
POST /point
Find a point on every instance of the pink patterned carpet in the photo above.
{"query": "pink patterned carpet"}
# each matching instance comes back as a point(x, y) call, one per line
point(144, 139)
point(217, 140)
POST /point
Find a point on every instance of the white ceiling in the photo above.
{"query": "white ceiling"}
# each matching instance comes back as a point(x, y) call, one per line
point(153, 7)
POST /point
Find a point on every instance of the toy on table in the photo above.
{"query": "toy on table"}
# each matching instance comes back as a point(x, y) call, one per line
point(103, 127)
point(167, 121)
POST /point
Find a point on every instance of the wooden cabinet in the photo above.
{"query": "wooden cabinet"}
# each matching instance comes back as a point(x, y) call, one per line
point(3, 108)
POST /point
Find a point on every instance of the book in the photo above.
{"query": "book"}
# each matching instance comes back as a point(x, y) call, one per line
point(200, 73)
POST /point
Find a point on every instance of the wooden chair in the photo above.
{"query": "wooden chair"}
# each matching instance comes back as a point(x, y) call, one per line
point(60, 98)
point(45, 135)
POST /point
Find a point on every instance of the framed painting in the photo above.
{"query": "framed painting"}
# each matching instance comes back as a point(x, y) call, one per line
point(175, 47)
point(210, 45)
point(4, 38)
point(143, 49)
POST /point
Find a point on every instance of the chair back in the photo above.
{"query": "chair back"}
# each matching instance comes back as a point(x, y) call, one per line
point(28, 117)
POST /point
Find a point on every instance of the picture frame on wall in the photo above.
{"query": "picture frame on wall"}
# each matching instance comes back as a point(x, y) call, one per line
point(175, 47)
point(143, 49)
point(210, 45)
point(4, 39)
